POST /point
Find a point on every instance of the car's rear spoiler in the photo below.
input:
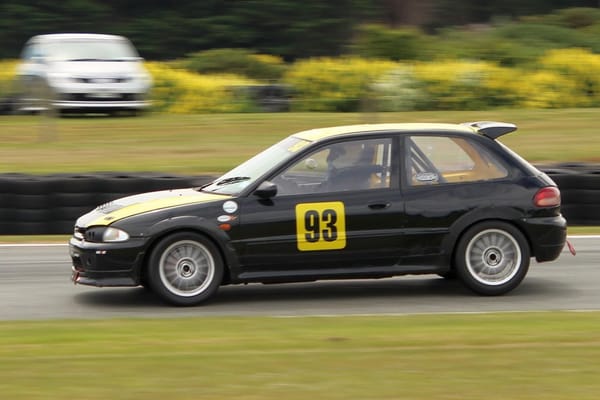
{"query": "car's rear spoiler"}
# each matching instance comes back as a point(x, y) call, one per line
point(492, 129)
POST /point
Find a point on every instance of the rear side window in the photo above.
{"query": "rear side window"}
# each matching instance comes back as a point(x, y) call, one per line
point(432, 160)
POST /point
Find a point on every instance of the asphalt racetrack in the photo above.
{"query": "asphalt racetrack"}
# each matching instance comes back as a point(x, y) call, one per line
point(35, 284)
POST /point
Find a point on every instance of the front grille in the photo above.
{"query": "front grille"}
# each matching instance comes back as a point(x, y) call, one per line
point(83, 97)
point(102, 80)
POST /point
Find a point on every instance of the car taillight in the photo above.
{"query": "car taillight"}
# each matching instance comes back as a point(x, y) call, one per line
point(547, 197)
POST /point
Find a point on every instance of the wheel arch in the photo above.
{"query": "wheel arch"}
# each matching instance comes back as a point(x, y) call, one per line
point(461, 226)
point(194, 225)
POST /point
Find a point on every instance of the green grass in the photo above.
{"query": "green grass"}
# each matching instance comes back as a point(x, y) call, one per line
point(496, 356)
point(213, 143)
point(584, 230)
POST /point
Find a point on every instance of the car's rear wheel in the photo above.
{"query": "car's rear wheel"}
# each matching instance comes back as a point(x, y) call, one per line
point(185, 269)
point(492, 258)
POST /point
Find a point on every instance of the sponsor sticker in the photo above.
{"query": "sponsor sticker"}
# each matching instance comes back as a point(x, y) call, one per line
point(230, 207)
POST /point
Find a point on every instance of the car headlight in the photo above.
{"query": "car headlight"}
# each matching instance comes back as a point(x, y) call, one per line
point(114, 235)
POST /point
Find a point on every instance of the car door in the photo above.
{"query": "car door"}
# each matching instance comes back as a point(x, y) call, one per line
point(338, 209)
point(444, 178)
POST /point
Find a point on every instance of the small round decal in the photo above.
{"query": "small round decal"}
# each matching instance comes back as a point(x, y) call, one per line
point(224, 218)
point(230, 207)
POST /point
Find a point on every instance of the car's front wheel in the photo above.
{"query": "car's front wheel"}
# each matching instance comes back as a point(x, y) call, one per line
point(492, 258)
point(185, 269)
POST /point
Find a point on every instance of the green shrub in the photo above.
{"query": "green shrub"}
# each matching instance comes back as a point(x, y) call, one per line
point(483, 46)
point(545, 37)
point(376, 41)
point(235, 61)
point(579, 17)
point(572, 18)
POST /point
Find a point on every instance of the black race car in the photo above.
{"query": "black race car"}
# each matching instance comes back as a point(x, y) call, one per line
point(364, 201)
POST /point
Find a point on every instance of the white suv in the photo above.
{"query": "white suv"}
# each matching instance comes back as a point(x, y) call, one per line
point(81, 72)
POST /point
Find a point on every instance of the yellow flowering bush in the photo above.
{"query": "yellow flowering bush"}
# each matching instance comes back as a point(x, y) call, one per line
point(547, 89)
point(580, 67)
point(268, 59)
point(183, 92)
point(7, 75)
point(564, 78)
point(334, 84)
point(465, 85)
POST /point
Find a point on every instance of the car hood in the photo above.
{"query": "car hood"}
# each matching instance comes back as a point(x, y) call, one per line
point(116, 210)
point(102, 69)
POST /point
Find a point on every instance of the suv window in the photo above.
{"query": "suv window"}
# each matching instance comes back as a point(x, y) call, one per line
point(342, 166)
point(90, 50)
point(443, 159)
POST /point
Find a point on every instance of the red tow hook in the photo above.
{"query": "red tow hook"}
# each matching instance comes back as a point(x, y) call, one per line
point(571, 248)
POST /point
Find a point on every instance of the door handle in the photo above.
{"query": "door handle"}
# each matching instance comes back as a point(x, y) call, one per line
point(379, 206)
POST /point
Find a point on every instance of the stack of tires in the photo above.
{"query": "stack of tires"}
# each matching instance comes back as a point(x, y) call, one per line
point(579, 186)
point(51, 204)
point(23, 204)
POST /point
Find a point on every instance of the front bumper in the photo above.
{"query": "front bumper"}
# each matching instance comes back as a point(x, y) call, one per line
point(107, 264)
point(100, 104)
point(547, 236)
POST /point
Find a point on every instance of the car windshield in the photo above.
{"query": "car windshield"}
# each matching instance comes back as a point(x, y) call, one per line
point(91, 50)
point(236, 180)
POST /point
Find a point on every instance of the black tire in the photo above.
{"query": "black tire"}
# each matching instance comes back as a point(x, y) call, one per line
point(588, 181)
point(185, 269)
point(83, 199)
point(122, 183)
point(67, 183)
point(580, 196)
point(492, 258)
point(31, 201)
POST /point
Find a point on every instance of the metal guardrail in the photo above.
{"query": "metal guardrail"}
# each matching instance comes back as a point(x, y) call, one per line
point(50, 204)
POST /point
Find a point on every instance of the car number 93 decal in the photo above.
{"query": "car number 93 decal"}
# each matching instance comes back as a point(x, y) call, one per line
point(321, 226)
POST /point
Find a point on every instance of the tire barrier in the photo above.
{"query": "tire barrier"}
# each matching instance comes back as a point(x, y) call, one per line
point(50, 204)
point(579, 186)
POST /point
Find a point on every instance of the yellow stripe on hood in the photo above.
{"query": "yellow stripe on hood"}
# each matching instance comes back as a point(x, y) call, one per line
point(133, 205)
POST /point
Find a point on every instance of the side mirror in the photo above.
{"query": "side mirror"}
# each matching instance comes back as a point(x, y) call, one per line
point(266, 190)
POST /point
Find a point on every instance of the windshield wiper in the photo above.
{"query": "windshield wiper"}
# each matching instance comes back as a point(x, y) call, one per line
point(234, 179)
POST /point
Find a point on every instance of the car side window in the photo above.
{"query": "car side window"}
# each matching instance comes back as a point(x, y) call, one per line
point(434, 160)
point(342, 166)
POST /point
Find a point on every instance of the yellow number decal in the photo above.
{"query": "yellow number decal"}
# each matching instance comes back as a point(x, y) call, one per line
point(321, 226)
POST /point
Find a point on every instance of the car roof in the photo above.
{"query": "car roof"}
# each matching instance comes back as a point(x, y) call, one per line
point(314, 135)
point(51, 37)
